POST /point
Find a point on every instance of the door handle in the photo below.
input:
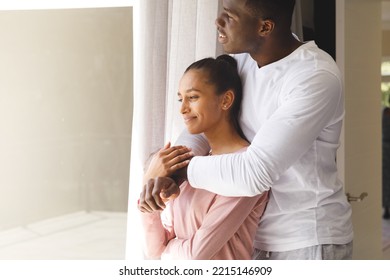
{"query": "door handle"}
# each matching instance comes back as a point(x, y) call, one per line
point(351, 198)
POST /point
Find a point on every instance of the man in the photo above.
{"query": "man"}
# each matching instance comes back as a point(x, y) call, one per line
point(292, 113)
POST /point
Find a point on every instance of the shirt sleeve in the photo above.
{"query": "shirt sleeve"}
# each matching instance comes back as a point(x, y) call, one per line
point(158, 231)
point(285, 136)
point(197, 142)
point(222, 221)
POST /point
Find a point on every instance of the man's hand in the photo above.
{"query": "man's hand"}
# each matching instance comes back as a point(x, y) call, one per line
point(156, 192)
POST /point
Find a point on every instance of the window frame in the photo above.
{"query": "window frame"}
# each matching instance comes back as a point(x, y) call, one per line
point(62, 4)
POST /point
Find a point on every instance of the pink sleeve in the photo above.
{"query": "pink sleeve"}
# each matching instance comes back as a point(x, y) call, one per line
point(222, 221)
point(158, 231)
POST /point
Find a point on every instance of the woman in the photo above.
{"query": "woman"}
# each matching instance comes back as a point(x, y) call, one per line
point(199, 224)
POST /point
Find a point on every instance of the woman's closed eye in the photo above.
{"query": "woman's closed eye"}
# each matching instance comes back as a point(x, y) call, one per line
point(190, 98)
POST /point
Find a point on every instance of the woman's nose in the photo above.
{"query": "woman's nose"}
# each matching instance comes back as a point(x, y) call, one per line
point(184, 107)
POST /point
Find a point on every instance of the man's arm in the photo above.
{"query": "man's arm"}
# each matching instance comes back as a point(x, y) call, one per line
point(279, 143)
point(197, 142)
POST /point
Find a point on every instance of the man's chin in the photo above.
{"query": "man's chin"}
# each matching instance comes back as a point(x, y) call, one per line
point(230, 50)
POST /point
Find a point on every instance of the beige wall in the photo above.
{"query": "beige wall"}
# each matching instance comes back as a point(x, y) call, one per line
point(65, 112)
point(360, 154)
point(386, 42)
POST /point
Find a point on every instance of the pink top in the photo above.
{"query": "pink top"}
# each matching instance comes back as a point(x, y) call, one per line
point(203, 225)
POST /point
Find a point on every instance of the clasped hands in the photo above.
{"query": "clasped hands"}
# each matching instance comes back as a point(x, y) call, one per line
point(160, 183)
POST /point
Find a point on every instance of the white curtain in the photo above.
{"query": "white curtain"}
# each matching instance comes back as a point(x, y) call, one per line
point(168, 36)
point(296, 25)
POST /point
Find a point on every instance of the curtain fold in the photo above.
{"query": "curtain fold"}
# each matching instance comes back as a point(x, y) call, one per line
point(296, 25)
point(193, 36)
point(168, 36)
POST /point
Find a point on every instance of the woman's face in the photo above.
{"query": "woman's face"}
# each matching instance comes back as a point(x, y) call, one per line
point(201, 107)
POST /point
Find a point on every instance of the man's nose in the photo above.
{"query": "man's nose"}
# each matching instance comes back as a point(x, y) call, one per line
point(219, 22)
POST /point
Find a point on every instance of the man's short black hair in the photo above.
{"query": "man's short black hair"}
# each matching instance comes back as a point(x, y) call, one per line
point(279, 11)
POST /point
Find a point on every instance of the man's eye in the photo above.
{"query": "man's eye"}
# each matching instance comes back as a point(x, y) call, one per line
point(193, 97)
point(180, 100)
point(229, 16)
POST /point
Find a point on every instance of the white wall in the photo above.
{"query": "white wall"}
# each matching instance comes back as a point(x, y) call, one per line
point(65, 112)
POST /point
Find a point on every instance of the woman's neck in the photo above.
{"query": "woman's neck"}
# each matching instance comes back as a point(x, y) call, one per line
point(225, 139)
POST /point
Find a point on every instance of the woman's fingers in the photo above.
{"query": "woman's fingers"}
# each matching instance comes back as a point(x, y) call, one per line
point(178, 159)
point(163, 162)
point(171, 152)
point(179, 165)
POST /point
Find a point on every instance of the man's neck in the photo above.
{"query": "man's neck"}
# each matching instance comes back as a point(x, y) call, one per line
point(275, 49)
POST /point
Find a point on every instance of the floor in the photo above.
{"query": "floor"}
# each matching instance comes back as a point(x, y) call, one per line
point(77, 236)
point(86, 236)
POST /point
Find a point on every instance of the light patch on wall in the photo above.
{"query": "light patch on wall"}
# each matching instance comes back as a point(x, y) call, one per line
point(385, 85)
point(62, 4)
point(385, 67)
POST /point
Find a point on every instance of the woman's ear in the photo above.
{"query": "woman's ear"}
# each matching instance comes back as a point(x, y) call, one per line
point(227, 100)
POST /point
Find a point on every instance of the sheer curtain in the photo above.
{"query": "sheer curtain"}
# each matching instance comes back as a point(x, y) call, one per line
point(169, 35)
point(296, 25)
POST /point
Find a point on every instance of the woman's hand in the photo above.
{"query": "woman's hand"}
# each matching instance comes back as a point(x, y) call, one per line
point(167, 161)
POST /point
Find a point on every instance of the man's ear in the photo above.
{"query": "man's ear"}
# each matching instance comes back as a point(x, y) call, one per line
point(227, 100)
point(265, 27)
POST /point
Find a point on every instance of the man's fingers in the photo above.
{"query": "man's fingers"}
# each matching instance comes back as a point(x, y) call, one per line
point(158, 202)
point(147, 202)
point(156, 192)
point(153, 195)
point(143, 206)
point(171, 190)
point(144, 210)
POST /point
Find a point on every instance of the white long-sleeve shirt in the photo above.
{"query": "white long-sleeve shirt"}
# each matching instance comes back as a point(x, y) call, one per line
point(292, 114)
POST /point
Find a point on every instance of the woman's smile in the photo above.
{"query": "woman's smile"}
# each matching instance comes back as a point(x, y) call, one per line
point(188, 119)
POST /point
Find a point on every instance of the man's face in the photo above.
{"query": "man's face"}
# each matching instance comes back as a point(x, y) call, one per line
point(237, 28)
